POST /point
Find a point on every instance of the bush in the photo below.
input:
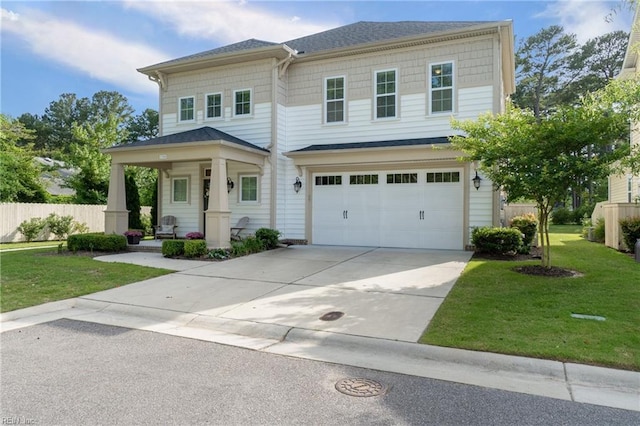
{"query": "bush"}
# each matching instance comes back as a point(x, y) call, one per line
point(527, 224)
point(562, 216)
point(630, 231)
point(219, 253)
point(31, 228)
point(195, 248)
point(269, 237)
point(60, 226)
point(247, 246)
point(97, 241)
point(194, 236)
point(496, 240)
point(598, 231)
point(582, 212)
point(172, 248)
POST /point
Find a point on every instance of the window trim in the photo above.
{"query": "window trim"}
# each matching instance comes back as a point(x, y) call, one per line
point(174, 179)
point(240, 192)
point(376, 95)
point(431, 89)
point(190, 120)
point(250, 113)
point(344, 99)
point(206, 106)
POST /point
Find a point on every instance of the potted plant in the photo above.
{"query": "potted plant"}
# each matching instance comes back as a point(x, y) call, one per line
point(133, 236)
point(194, 236)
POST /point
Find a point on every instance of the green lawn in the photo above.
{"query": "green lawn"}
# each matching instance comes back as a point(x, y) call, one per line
point(492, 308)
point(22, 245)
point(32, 277)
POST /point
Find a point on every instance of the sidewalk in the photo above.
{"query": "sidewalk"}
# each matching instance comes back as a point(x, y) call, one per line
point(200, 303)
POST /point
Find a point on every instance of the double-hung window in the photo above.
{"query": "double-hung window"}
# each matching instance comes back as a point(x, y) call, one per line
point(242, 102)
point(214, 105)
point(186, 108)
point(386, 94)
point(249, 188)
point(334, 99)
point(180, 190)
point(441, 87)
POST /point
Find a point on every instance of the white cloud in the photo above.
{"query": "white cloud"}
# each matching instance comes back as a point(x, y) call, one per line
point(587, 19)
point(227, 21)
point(100, 55)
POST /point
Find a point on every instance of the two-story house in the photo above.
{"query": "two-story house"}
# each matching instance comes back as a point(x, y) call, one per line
point(339, 137)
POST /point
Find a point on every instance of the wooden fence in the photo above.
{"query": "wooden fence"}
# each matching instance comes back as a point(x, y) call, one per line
point(13, 214)
point(612, 213)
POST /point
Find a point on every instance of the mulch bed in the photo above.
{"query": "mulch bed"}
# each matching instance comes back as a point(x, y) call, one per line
point(538, 270)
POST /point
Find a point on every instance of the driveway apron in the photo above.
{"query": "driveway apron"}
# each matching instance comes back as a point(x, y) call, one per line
point(380, 292)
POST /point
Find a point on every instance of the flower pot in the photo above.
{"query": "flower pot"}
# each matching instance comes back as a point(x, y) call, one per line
point(133, 239)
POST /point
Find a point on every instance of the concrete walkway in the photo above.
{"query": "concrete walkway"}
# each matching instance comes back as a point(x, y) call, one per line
point(273, 302)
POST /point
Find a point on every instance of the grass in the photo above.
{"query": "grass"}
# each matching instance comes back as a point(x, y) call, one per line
point(13, 246)
point(32, 277)
point(492, 308)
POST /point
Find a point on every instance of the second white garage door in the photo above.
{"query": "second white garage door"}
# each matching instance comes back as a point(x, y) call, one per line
point(409, 208)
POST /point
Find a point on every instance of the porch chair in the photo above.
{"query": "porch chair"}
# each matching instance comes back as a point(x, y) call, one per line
point(167, 227)
point(235, 231)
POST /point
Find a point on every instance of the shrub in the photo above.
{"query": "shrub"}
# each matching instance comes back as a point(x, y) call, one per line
point(172, 248)
point(32, 228)
point(496, 240)
point(269, 237)
point(98, 241)
point(145, 219)
point(598, 230)
point(60, 226)
point(247, 246)
point(562, 216)
point(79, 228)
point(194, 236)
point(630, 231)
point(527, 224)
point(582, 212)
point(195, 248)
point(219, 253)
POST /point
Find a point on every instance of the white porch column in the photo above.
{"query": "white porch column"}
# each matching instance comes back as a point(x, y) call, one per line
point(218, 214)
point(116, 216)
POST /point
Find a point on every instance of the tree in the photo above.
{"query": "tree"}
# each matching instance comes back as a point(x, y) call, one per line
point(538, 158)
point(143, 126)
point(41, 134)
point(543, 65)
point(60, 117)
point(19, 176)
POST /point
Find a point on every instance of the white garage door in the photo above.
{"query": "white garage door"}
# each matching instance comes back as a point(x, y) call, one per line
point(412, 208)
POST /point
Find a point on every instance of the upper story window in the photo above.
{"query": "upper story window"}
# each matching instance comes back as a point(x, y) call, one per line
point(242, 102)
point(441, 89)
point(186, 107)
point(214, 105)
point(334, 99)
point(385, 94)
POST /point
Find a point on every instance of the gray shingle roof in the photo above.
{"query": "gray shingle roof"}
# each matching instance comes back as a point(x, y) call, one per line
point(377, 144)
point(348, 35)
point(368, 32)
point(197, 135)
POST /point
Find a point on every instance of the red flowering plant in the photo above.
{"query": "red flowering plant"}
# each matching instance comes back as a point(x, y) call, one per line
point(133, 233)
point(194, 236)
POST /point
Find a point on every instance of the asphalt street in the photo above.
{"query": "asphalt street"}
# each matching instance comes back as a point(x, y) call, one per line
point(72, 372)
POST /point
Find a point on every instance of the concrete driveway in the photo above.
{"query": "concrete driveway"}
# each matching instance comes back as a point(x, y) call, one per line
point(383, 293)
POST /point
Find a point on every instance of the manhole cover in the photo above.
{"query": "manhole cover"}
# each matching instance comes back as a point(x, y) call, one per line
point(332, 316)
point(360, 387)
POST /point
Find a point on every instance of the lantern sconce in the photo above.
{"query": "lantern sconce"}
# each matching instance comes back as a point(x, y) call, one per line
point(297, 185)
point(230, 184)
point(476, 181)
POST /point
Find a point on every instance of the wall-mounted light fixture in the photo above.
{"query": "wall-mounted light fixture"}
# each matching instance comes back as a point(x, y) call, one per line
point(476, 181)
point(297, 185)
point(230, 184)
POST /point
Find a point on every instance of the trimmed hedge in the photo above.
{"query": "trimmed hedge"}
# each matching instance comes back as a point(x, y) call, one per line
point(195, 248)
point(172, 248)
point(630, 231)
point(496, 240)
point(98, 241)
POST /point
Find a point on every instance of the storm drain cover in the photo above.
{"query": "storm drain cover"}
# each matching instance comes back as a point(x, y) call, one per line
point(360, 387)
point(332, 316)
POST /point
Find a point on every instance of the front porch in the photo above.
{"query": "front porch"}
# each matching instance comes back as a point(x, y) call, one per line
point(206, 148)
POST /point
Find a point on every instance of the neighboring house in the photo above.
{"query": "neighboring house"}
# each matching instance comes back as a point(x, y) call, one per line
point(54, 176)
point(624, 188)
point(358, 115)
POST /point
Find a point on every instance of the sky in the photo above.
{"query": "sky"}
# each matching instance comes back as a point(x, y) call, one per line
point(53, 47)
